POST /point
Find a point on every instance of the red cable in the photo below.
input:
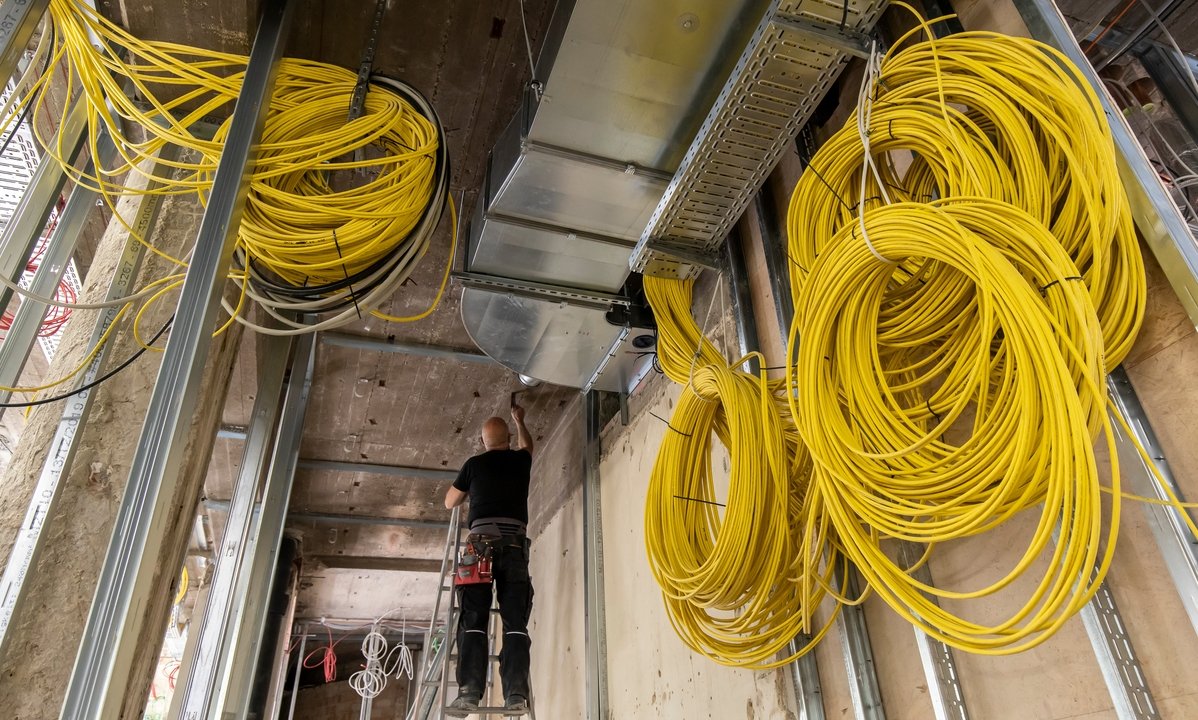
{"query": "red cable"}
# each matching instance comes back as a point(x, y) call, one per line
point(328, 659)
point(1130, 4)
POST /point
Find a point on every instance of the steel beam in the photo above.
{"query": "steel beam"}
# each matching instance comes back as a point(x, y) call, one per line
point(276, 496)
point(27, 320)
point(204, 683)
point(101, 678)
point(18, 20)
point(592, 530)
point(364, 342)
point(29, 220)
point(28, 546)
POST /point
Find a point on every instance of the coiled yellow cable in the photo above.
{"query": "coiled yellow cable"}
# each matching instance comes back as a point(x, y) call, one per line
point(964, 272)
point(339, 212)
point(733, 579)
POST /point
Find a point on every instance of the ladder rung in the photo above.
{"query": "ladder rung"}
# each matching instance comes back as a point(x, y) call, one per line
point(491, 711)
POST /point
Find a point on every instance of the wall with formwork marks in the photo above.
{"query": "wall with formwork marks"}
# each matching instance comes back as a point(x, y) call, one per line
point(651, 674)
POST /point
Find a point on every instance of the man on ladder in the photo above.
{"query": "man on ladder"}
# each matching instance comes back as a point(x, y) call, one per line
point(496, 482)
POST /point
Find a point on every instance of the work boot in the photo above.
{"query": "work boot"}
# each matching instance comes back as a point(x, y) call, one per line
point(516, 705)
point(463, 705)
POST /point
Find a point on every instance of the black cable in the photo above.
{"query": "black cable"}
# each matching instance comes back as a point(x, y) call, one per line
point(97, 381)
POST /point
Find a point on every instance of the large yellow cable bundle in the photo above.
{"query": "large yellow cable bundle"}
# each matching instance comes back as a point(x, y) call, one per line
point(310, 241)
point(733, 579)
point(988, 317)
point(964, 271)
point(994, 116)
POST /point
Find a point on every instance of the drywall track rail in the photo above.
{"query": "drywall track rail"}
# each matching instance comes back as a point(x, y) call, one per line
point(797, 51)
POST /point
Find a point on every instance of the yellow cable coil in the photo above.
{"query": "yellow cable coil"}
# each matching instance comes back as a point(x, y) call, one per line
point(953, 356)
point(964, 270)
point(733, 579)
point(344, 246)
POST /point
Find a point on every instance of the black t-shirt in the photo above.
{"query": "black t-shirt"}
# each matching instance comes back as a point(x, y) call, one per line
point(497, 482)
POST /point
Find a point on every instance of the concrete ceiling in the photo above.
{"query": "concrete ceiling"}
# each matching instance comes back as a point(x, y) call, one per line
point(374, 407)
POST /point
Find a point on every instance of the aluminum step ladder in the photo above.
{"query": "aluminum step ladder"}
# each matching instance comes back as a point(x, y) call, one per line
point(437, 677)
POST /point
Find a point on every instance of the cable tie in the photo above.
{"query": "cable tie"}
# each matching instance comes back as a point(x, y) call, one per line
point(934, 413)
point(1044, 290)
point(705, 502)
point(667, 422)
point(890, 128)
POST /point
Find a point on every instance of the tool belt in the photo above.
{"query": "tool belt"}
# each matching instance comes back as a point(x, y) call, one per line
point(474, 564)
point(488, 538)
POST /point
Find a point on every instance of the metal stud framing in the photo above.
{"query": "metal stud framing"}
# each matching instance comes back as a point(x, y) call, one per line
point(596, 615)
point(45, 187)
point(100, 678)
point(205, 680)
point(28, 545)
point(22, 334)
point(265, 574)
point(939, 665)
point(1178, 545)
point(18, 20)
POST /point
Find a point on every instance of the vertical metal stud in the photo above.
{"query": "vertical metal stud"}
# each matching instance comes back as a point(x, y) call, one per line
point(592, 519)
point(939, 665)
point(100, 678)
point(22, 231)
point(18, 20)
point(272, 515)
point(28, 545)
point(27, 320)
point(205, 681)
point(1117, 658)
point(1177, 544)
point(804, 672)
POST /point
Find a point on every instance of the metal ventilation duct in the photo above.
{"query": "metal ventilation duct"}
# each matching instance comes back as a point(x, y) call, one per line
point(657, 121)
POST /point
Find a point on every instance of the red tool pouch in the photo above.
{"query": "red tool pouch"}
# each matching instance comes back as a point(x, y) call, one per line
point(474, 566)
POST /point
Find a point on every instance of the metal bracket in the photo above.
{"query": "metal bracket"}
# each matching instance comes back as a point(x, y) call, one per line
point(357, 103)
point(541, 291)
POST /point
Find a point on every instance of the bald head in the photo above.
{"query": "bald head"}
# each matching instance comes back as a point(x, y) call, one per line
point(495, 433)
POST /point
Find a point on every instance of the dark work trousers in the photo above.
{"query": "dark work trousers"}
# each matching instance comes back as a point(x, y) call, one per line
point(509, 570)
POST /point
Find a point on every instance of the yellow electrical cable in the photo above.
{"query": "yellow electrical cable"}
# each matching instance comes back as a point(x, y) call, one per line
point(733, 579)
point(964, 271)
point(340, 211)
point(78, 368)
point(453, 249)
